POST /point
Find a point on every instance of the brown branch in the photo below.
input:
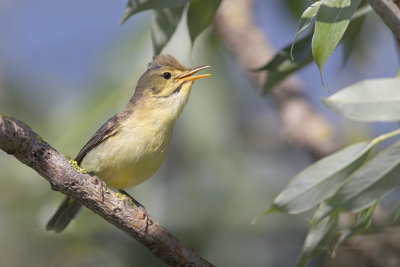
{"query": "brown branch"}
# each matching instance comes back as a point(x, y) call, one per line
point(389, 13)
point(397, 2)
point(303, 126)
point(18, 139)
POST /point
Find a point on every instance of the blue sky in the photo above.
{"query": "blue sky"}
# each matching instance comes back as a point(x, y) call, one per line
point(59, 38)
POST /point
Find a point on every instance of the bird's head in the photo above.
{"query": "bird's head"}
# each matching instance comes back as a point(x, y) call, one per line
point(165, 87)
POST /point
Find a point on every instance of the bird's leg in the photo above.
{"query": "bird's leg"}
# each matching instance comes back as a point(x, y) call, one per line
point(140, 206)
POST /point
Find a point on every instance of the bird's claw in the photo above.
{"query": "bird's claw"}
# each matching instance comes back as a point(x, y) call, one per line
point(145, 216)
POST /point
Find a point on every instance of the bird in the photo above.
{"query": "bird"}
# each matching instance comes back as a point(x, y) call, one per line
point(131, 146)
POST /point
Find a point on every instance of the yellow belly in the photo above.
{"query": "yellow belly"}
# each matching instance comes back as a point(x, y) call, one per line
point(129, 157)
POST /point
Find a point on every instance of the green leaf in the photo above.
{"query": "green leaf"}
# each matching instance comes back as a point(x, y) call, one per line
point(368, 100)
point(318, 239)
point(367, 185)
point(362, 11)
point(364, 220)
point(282, 65)
point(333, 17)
point(305, 21)
point(163, 25)
point(307, 16)
point(136, 6)
point(394, 214)
point(200, 15)
point(320, 180)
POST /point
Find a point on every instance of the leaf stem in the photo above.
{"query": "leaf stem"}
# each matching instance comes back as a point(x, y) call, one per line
point(383, 137)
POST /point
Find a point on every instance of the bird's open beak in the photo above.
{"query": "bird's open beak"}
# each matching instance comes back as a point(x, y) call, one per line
point(188, 75)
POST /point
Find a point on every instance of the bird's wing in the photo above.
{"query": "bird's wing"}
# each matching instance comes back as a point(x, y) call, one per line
point(108, 129)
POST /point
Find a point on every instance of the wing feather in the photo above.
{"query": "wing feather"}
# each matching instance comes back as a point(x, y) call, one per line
point(108, 129)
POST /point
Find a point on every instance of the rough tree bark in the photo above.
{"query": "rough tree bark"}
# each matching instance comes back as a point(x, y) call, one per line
point(18, 139)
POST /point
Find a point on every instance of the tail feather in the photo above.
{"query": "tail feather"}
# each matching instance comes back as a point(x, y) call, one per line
point(66, 212)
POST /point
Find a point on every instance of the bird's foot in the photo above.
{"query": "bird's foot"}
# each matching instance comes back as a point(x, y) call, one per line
point(102, 186)
point(144, 216)
point(100, 182)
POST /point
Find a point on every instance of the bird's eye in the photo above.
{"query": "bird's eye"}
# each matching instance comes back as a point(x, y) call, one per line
point(166, 75)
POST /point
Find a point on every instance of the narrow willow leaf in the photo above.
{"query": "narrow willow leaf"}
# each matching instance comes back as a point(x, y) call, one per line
point(307, 16)
point(333, 17)
point(281, 66)
point(136, 6)
point(364, 219)
point(368, 100)
point(367, 185)
point(320, 180)
point(163, 26)
point(394, 214)
point(200, 15)
point(305, 21)
point(318, 239)
point(362, 11)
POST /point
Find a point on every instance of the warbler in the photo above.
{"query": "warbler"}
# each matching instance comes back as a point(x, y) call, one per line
point(131, 145)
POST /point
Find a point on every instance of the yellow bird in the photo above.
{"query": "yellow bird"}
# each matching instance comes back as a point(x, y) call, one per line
point(130, 146)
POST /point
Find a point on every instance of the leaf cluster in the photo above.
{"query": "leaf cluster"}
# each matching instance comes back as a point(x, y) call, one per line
point(329, 22)
point(350, 180)
point(168, 13)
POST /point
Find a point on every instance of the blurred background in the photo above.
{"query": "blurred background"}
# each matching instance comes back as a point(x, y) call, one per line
point(67, 66)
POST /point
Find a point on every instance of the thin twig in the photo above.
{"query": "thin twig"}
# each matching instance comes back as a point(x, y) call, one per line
point(18, 139)
point(389, 13)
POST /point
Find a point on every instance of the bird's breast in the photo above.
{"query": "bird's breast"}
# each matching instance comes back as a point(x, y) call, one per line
point(130, 156)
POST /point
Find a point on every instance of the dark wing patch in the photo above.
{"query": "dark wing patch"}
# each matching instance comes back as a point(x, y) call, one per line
point(106, 130)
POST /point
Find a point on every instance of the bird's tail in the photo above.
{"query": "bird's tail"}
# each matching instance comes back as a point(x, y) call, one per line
point(66, 212)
